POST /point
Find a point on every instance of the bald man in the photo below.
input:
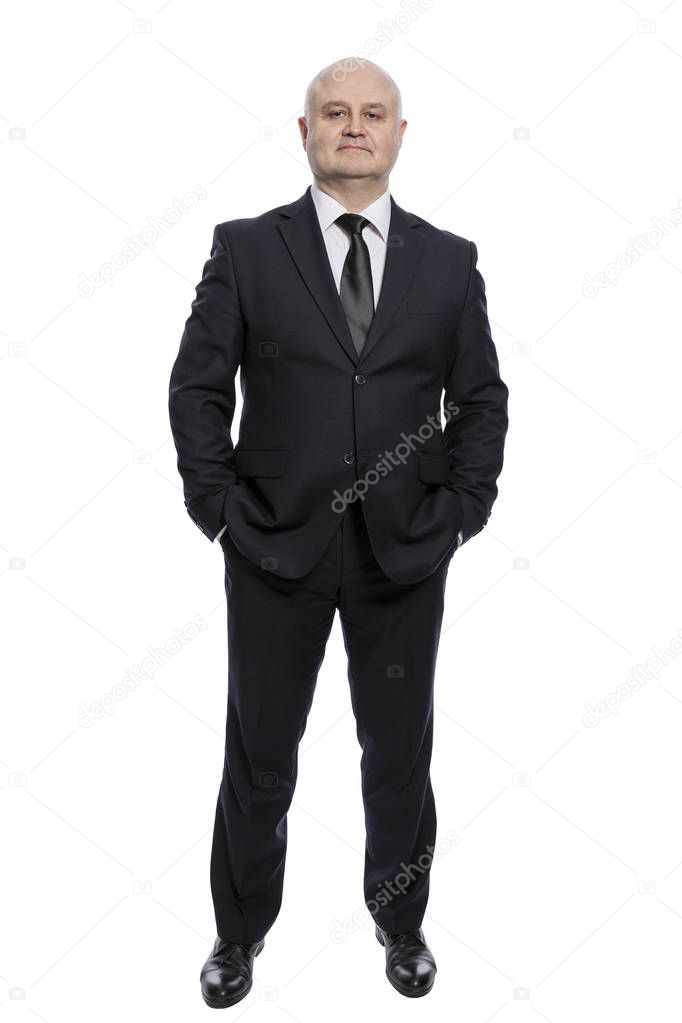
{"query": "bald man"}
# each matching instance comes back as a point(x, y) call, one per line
point(351, 321)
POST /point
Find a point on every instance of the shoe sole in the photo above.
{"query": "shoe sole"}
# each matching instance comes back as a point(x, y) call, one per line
point(407, 991)
point(225, 1003)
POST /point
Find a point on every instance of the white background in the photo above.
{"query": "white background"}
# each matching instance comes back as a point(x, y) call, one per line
point(560, 894)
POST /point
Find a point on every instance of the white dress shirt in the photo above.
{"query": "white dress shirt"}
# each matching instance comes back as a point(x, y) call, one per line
point(337, 241)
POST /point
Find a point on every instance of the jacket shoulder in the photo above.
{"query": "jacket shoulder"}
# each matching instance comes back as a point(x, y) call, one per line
point(453, 243)
point(444, 244)
point(452, 253)
point(244, 226)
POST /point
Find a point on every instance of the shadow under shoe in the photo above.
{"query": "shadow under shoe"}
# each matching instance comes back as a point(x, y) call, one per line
point(410, 966)
point(227, 975)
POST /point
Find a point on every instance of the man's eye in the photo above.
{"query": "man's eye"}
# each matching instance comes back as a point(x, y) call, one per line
point(370, 113)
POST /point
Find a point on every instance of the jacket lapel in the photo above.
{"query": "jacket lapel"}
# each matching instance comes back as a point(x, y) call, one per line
point(303, 238)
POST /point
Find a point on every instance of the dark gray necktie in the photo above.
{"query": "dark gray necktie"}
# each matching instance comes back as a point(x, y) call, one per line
point(357, 290)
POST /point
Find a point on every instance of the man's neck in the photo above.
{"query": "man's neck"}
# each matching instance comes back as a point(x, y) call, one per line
point(354, 196)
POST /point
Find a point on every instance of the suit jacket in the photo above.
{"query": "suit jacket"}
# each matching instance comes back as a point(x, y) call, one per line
point(321, 425)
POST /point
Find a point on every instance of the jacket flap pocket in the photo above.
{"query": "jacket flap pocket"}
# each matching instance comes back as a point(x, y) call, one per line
point(433, 468)
point(260, 461)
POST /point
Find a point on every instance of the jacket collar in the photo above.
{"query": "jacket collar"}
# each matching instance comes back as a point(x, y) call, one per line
point(300, 229)
point(328, 209)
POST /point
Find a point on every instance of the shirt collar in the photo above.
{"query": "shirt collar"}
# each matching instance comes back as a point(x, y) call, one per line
point(328, 209)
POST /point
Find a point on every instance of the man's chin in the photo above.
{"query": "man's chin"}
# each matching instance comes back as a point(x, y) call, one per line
point(344, 171)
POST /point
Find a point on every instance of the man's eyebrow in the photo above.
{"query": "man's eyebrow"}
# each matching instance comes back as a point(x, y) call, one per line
point(342, 103)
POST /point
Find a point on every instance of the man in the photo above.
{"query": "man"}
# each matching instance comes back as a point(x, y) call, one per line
point(350, 319)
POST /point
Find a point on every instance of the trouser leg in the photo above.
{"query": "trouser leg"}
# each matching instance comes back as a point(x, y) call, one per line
point(277, 632)
point(391, 633)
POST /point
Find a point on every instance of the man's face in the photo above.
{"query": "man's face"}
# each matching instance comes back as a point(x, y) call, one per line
point(353, 131)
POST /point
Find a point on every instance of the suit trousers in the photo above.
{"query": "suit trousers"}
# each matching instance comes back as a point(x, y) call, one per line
point(277, 633)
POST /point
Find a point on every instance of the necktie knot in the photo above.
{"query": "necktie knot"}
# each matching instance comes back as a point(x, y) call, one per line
point(352, 223)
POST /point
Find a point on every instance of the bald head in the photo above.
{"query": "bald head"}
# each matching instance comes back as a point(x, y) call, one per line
point(359, 74)
point(352, 130)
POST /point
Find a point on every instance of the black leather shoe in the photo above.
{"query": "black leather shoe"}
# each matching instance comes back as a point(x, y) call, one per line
point(226, 976)
point(410, 966)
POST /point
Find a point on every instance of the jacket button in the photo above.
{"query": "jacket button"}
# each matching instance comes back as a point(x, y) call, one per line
point(349, 458)
point(359, 379)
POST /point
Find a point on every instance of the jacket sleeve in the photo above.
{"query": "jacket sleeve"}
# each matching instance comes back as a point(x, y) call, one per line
point(475, 409)
point(202, 393)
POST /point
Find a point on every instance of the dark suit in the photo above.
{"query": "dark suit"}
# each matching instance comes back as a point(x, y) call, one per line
point(320, 422)
point(317, 417)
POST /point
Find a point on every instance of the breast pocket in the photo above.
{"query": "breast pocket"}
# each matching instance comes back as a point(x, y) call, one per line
point(429, 307)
